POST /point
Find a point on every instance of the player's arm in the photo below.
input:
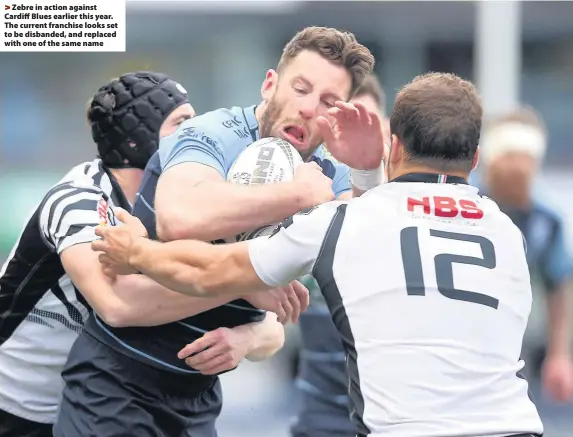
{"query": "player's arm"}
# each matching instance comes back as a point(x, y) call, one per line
point(557, 269)
point(193, 200)
point(131, 300)
point(267, 337)
point(193, 267)
point(67, 222)
point(201, 269)
point(353, 192)
point(557, 273)
point(371, 179)
point(224, 348)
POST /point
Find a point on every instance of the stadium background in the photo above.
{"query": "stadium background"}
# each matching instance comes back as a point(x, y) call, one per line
point(220, 52)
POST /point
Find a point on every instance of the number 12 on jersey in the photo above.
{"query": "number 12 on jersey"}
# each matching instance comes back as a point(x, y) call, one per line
point(444, 262)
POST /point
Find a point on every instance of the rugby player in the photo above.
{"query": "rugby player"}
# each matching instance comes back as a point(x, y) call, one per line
point(427, 281)
point(184, 195)
point(513, 149)
point(322, 380)
point(52, 279)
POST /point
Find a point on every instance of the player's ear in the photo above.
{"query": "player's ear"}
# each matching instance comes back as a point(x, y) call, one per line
point(269, 85)
point(476, 159)
point(396, 151)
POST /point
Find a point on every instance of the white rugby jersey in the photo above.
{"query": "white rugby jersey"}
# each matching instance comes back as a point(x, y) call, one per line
point(41, 312)
point(428, 285)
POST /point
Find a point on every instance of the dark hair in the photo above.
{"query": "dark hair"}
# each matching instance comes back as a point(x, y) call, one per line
point(372, 87)
point(438, 118)
point(338, 47)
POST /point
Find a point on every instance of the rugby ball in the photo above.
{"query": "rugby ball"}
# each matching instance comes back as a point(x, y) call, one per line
point(265, 161)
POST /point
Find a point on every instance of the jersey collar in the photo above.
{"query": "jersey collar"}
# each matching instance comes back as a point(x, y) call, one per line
point(432, 178)
point(117, 194)
point(251, 119)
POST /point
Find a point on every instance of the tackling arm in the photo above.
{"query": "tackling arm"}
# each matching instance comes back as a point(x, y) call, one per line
point(132, 300)
point(197, 268)
point(202, 269)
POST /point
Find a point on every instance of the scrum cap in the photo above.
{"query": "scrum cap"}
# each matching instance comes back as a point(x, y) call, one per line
point(126, 115)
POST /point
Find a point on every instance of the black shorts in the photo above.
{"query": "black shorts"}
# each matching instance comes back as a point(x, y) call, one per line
point(109, 394)
point(14, 426)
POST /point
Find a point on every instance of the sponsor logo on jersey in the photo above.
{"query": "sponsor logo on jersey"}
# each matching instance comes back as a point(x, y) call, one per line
point(102, 210)
point(105, 213)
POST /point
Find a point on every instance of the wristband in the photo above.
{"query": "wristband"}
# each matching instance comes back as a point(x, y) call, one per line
point(367, 179)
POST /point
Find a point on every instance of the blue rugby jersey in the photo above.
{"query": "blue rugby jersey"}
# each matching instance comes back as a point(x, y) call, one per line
point(214, 139)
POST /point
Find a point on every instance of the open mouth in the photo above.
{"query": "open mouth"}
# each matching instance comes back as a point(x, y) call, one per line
point(295, 135)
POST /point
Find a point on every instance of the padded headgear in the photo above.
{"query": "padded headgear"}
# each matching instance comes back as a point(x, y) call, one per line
point(126, 116)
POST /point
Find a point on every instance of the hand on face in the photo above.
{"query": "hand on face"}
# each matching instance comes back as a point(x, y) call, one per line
point(309, 84)
point(354, 135)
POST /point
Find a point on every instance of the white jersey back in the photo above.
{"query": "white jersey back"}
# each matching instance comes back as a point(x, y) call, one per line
point(429, 287)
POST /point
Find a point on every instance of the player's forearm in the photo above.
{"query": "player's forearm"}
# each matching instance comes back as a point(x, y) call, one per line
point(364, 180)
point(215, 210)
point(147, 303)
point(559, 321)
point(194, 268)
point(267, 337)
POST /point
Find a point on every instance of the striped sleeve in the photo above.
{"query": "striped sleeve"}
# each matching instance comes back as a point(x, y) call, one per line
point(70, 214)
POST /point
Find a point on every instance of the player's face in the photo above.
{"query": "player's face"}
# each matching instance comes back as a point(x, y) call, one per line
point(306, 89)
point(178, 116)
point(512, 173)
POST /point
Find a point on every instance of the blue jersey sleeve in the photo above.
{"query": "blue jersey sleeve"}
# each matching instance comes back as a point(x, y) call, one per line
point(341, 182)
point(338, 172)
point(214, 139)
point(557, 264)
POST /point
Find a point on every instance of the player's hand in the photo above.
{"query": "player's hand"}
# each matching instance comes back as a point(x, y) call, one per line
point(557, 377)
point(315, 187)
point(286, 302)
point(116, 243)
point(353, 135)
point(217, 351)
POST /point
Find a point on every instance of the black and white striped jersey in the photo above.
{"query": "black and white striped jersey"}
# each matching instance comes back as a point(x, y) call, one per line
point(41, 311)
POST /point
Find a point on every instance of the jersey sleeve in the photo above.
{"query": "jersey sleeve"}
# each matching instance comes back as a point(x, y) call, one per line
point(341, 182)
point(557, 264)
point(70, 214)
point(291, 251)
point(209, 139)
